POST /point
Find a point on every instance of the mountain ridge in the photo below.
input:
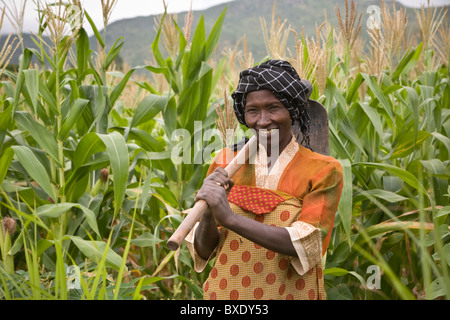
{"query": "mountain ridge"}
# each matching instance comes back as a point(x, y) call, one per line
point(242, 17)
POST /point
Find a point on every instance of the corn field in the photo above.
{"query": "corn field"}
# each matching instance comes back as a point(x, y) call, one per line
point(90, 191)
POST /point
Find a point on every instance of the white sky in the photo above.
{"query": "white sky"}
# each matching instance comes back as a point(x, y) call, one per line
point(123, 9)
point(133, 8)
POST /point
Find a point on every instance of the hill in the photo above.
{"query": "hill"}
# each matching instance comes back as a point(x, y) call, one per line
point(242, 18)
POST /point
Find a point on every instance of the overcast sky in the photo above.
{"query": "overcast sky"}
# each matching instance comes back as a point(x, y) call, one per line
point(123, 9)
point(132, 8)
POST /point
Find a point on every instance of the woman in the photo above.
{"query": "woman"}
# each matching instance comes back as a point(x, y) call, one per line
point(270, 225)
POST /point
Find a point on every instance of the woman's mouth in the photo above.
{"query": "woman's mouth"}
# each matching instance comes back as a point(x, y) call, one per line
point(266, 132)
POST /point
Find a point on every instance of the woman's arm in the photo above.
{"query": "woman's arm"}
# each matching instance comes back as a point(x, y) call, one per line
point(274, 238)
point(206, 235)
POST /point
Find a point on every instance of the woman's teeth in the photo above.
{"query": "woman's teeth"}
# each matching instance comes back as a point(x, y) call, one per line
point(264, 132)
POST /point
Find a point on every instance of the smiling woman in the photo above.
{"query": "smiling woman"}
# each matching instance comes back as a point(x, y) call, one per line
point(267, 115)
point(266, 249)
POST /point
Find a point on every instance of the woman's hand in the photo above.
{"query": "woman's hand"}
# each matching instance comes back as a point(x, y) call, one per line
point(214, 192)
point(219, 212)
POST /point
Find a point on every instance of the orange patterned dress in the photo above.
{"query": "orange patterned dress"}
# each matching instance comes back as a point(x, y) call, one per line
point(301, 194)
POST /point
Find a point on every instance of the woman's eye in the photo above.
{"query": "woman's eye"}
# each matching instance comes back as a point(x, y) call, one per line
point(275, 107)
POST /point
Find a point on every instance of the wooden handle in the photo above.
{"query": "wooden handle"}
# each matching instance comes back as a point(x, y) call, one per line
point(200, 206)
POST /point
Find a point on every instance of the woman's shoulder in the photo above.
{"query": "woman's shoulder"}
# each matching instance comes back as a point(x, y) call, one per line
point(307, 156)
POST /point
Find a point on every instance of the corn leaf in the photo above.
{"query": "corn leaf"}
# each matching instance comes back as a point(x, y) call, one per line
point(69, 123)
point(34, 168)
point(94, 29)
point(118, 156)
point(214, 35)
point(406, 176)
point(56, 210)
point(5, 161)
point(94, 250)
point(345, 204)
point(82, 45)
point(32, 84)
point(148, 108)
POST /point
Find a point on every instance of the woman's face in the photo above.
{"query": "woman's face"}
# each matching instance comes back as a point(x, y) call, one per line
point(264, 113)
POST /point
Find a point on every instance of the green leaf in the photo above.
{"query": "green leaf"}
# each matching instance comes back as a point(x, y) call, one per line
point(169, 114)
point(5, 118)
point(96, 95)
point(214, 35)
point(117, 91)
point(443, 139)
point(94, 29)
point(32, 84)
point(145, 240)
point(436, 168)
point(167, 196)
point(182, 42)
point(379, 193)
point(69, 123)
point(382, 98)
point(374, 118)
point(413, 105)
point(24, 62)
point(39, 133)
point(86, 148)
point(352, 92)
point(94, 250)
point(42, 245)
point(338, 272)
point(56, 210)
point(83, 51)
point(47, 96)
point(406, 176)
point(443, 212)
point(34, 168)
point(340, 292)
point(155, 45)
point(115, 49)
point(407, 62)
point(148, 108)
point(408, 142)
point(117, 150)
point(337, 145)
point(437, 289)
point(5, 161)
point(345, 204)
point(191, 66)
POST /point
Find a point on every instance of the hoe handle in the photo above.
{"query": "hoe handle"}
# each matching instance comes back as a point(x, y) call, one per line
point(201, 206)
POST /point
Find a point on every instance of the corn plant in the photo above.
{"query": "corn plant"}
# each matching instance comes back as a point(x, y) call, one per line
point(90, 181)
point(390, 131)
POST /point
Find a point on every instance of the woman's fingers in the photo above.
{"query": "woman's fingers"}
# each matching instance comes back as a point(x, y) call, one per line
point(220, 178)
point(210, 191)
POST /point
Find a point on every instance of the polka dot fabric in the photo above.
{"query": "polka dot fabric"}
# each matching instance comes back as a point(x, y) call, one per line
point(245, 270)
point(256, 200)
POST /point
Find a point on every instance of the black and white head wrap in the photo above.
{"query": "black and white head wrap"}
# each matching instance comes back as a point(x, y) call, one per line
point(277, 76)
point(281, 78)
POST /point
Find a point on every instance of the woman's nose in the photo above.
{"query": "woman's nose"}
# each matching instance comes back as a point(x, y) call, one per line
point(264, 119)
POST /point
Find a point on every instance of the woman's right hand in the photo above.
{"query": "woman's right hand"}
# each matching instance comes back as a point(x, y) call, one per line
point(214, 192)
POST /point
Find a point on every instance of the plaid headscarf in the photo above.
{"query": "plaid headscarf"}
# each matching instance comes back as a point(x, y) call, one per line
point(277, 76)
